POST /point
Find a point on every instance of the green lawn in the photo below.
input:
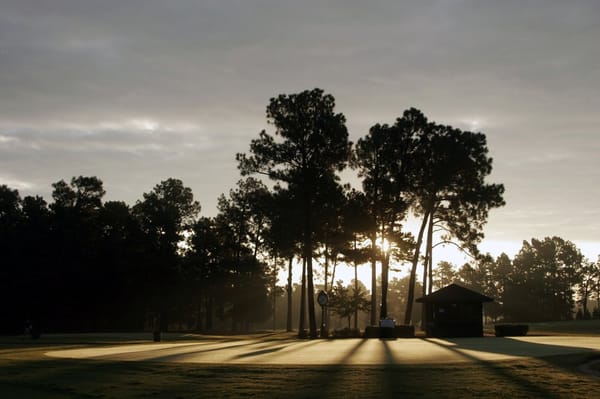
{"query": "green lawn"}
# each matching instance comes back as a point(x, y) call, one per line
point(578, 327)
point(26, 373)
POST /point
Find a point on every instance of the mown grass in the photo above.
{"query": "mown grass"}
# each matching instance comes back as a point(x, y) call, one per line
point(25, 372)
point(577, 327)
point(39, 377)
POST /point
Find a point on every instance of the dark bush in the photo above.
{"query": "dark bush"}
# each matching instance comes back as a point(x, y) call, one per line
point(346, 333)
point(303, 334)
point(511, 330)
point(404, 331)
point(372, 332)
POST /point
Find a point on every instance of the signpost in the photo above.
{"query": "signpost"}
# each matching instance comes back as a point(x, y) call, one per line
point(322, 299)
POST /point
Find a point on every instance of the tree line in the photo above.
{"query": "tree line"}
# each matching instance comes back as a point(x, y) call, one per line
point(548, 279)
point(79, 263)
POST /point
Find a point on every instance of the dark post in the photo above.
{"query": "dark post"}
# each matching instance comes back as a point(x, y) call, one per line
point(322, 299)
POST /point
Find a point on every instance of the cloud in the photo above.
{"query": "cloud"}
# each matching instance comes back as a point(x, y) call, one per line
point(16, 183)
point(137, 91)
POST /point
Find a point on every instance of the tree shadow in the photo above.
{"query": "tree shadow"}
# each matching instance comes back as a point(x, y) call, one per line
point(259, 352)
point(187, 354)
point(470, 349)
point(512, 347)
point(328, 379)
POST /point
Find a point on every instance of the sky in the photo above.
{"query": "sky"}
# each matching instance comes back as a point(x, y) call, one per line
point(135, 92)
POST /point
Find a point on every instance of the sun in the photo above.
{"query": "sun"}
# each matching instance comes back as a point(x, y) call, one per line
point(385, 245)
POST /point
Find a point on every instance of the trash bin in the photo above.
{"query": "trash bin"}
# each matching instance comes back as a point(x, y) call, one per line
point(156, 336)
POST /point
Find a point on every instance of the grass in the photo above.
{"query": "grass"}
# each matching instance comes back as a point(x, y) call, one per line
point(26, 373)
point(578, 327)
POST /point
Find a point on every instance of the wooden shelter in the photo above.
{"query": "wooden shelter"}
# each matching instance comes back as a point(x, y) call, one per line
point(454, 311)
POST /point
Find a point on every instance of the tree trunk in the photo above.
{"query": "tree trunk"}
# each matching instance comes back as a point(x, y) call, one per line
point(308, 251)
point(584, 301)
point(426, 262)
point(430, 239)
point(413, 272)
point(288, 325)
point(355, 291)
point(373, 280)
point(384, 284)
point(274, 287)
point(598, 295)
point(385, 262)
point(333, 276)
point(209, 313)
point(199, 318)
point(302, 322)
point(326, 269)
point(312, 320)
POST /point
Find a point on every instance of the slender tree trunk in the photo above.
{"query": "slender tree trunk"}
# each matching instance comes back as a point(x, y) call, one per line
point(413, 272)
point(199, 323)
point(598, 294)
point(274, 278)
point(384, 278)
point(384, 284)
point(209, 313)
point(308, 251)
point(430, 239)
point(428, 245)
point(426, 284)
point(199, 319)
point(584, 301)
point(326, 269)
point(274, 313)
point(333, 276)
point(312, 320)
point(355, 291)
point(288, 326)
point(302, 321)
point(331, 285)
point(374, 279)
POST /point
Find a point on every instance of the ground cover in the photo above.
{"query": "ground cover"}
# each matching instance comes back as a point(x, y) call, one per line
point(26, 372)
point(577, 327)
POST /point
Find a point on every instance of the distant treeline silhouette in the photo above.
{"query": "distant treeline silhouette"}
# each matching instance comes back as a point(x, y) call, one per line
point(82, 264)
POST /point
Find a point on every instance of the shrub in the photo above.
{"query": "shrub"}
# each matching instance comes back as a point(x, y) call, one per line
point(303, 334)
point(400, 331)
point(372, 332)
point(346, 333)
point(404, 331)
point(511, 330)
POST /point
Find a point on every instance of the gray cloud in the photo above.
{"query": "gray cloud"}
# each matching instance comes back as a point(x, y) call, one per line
point(138, 91)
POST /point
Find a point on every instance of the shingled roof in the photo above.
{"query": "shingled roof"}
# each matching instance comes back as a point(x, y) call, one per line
point(454, 293)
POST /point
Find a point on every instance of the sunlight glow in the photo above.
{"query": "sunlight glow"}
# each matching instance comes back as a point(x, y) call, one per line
point(385, 245)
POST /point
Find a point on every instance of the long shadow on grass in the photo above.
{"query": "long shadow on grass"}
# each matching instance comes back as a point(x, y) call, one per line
point(562, 357)
point(328, 378)
point(511, 346)
point(257, 348)
point(394, 380)
point(459, 346)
